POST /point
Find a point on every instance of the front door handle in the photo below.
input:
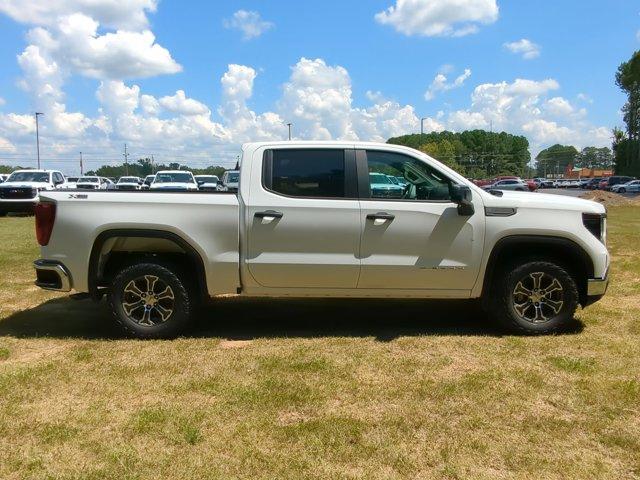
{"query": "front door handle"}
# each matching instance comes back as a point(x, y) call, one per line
point(268, 214)
point(381, 216)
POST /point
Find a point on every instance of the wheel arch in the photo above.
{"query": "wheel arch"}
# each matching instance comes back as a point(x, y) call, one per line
point(564, 251)
point(99, 259)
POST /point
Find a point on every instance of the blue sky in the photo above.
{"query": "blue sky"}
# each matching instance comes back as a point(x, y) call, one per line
point(105, 75)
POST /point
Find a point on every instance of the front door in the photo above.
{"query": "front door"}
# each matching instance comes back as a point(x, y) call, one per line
point(412, 236)
point(303, 222)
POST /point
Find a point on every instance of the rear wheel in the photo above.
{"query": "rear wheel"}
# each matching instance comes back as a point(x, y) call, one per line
point(622, 190)
point(151, 301)
point(535, 297)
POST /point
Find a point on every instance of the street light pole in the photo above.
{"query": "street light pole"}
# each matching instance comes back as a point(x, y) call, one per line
point(81, 173)
point(289, 125)
point(37, 114)
point(422, 125)
point(126, 160)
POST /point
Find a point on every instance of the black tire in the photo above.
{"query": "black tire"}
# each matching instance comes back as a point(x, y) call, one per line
point(150, 319)
point(552, 312)
point(622, 190)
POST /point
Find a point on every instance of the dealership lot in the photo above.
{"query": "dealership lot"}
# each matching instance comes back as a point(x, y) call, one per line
point(318, 389)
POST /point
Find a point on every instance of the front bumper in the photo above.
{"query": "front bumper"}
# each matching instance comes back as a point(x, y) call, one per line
point(52, 275)
point(597, 286)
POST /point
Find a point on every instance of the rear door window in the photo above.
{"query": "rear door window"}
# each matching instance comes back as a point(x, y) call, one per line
point(306, 173)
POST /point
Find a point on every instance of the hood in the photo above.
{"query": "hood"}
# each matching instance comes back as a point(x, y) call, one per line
point(128, 184)
point(542, 201)
point(25, 185)
point(173, 185)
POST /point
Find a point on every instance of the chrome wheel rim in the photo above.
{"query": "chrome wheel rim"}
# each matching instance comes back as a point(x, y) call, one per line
point(148, 301)
point(538, 297)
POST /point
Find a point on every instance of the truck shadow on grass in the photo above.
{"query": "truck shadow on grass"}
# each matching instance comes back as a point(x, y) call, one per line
point(246, 318)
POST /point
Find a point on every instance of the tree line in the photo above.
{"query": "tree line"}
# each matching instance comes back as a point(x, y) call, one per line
point(474, 153)
point(144, 167)
point(626, 143)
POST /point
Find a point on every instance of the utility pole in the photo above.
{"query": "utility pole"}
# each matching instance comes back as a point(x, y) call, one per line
point(37, 114)
point(81, 170)
point(422, 125)
point(126, 160)
point(152, 162)
point(289, 125)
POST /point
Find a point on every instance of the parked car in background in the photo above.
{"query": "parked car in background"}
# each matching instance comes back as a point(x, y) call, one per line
point(383, 187)
point(174, 180)
point(207, 183)
point(129, 183)
point(593, 183)
point(230, 180)
point(545, 182)
point(71, 182)
point(630, 187)
point(305, 223)
point(20, 191)
point(148, 180)
point(609, 182)
point(516, 185)
point(92, 183)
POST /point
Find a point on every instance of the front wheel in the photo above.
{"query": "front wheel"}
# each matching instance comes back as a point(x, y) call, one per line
point(535, 297)
point(151, 301)
point(622, 190)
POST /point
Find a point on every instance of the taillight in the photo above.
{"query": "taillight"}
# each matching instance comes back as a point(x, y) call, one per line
point(45, 217)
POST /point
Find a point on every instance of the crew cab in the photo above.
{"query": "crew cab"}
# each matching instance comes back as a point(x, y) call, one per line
point(306, 223)
point(19, 192)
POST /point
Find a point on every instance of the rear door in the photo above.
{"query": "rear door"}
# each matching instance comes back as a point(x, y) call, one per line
point(303, 219)
point(418, 241)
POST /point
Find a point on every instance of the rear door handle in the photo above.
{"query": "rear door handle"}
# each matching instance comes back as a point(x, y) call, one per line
point(268, 214)
point(381, 216)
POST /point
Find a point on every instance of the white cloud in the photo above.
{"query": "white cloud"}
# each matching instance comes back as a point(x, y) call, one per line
point(249, 23)
point(583, 97)
point(182, 105)
point(128, 15)
point(441, 84)
point(439, 17)
point(75, 45)
point(524, 47)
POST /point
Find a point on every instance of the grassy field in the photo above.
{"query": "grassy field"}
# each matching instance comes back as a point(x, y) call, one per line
point(317, 389)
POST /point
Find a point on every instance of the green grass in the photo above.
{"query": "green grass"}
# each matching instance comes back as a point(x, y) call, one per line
point(317, 389)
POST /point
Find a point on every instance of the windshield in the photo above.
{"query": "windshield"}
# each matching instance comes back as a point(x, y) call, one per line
point(233, 177)
point(28, 177)
point(207, 179)
point(174, 178)
point(72, 179)
point(88, 180)
point(379, 178)
point(128, 180)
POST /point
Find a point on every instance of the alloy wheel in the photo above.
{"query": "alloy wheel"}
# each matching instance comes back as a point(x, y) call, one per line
point(538, 297)
point(148, 300)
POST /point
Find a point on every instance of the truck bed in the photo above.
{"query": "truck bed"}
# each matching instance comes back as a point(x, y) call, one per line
point(207, 221)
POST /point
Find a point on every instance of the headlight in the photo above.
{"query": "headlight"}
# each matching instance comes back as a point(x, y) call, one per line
point(597, 224)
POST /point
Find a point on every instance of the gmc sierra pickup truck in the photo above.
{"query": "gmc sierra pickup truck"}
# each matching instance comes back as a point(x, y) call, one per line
point(305, 222)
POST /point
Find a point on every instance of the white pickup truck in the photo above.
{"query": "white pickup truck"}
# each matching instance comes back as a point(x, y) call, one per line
point(306, 223)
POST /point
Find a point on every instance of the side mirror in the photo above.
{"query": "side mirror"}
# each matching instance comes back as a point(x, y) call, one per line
point(461, 194)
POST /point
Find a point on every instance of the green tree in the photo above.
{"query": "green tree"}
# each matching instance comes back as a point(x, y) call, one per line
point(474, 153)
point(555, 159)
point(627, 147)
point(593, 157)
